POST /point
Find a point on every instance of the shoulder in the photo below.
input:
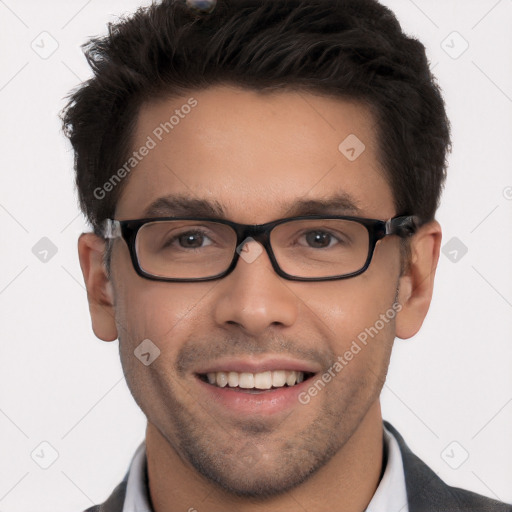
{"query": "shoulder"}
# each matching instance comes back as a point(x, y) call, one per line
point(427, 492)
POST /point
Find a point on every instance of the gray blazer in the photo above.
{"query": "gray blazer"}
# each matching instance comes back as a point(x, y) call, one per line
point(426, 492)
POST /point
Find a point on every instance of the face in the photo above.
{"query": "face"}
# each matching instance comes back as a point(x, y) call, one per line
point(256, 156)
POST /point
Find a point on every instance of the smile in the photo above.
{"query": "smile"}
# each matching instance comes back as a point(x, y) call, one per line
point(257, 381)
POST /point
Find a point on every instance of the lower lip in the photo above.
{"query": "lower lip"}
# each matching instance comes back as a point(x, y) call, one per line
point(265, 402)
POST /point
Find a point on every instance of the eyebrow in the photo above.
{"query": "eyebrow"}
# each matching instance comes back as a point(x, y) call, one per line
point(185, 206)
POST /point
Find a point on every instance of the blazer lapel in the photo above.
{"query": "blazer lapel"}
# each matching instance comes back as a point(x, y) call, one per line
point(115, 501)
point(426, 492)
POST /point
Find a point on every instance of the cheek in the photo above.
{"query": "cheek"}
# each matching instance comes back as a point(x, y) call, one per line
point(166, 315)
point(362, 351)
point(157, 310)
point(344, 309)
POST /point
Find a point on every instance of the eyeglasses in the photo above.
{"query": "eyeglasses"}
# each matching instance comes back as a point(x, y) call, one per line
point(311, 248)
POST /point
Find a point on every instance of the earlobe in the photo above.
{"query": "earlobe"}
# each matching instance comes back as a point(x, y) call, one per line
point(100, 292)
point(416, 285)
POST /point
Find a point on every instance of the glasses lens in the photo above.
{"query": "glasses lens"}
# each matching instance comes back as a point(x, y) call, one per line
point(185, 249)
point(320, 247)
point(192, 249)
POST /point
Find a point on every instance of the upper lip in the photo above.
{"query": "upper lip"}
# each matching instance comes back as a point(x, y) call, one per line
point(251, 365)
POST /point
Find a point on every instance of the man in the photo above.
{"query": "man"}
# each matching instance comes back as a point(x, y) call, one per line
point(262, 178)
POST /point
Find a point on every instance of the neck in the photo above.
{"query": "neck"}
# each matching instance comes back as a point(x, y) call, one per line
point(347, 482)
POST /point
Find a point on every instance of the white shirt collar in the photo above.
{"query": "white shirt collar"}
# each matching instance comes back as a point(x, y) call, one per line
point(390, 496)
point(136, 499)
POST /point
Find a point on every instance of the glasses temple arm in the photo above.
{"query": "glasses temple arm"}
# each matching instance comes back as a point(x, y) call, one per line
point(403, 226)
point(110, 228)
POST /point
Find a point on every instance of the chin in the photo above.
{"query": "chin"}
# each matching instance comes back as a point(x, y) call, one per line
point(251, 472)
point(257, 483)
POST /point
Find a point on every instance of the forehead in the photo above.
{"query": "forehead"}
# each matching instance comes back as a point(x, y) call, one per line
point(252, 156)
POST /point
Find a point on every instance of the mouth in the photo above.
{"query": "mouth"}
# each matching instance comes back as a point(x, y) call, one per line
point(256, 383)
point(254, 387)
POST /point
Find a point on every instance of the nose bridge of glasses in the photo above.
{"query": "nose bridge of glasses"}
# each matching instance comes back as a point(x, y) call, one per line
point(249, 233)
point(256, 232)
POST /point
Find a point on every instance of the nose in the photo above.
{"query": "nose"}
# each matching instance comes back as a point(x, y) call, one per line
point(253, 296)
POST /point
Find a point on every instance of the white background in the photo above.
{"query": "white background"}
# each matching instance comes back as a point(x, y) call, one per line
point(59, 384)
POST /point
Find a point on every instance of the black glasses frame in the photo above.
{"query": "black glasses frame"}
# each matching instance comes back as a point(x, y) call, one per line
point(402, 226)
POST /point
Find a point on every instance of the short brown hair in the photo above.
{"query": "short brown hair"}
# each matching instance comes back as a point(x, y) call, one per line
point(349, 49)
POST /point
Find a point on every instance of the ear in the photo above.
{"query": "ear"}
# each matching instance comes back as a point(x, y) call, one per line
point(100, 292)
point(417, 283)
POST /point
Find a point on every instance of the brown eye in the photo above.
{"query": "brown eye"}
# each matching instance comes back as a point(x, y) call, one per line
point(320, 239)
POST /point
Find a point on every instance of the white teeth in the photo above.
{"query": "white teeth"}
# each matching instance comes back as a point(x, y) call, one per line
point(278, 378)
point(263, 380)
point(233, 379)
point(291, 378)
point(222, 379)
point(246, 380)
